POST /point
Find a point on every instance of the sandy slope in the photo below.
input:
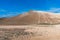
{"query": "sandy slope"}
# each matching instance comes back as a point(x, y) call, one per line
point(32, 17)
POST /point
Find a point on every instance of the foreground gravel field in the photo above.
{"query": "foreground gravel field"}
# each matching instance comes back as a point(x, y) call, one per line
point(30, 32)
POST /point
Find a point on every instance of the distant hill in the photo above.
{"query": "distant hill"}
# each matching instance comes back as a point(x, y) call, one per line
point(32, 17)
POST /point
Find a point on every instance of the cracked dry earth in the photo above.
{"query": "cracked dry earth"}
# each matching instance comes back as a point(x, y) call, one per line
point(41, 32)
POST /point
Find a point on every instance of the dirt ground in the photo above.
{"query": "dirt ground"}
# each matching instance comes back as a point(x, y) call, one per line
point(30, 32)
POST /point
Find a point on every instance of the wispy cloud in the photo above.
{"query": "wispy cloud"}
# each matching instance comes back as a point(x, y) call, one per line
point(2, 10)
point(10, 14)
point(55, 10)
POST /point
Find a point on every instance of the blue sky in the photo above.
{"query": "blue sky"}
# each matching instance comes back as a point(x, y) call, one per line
point(10, 8)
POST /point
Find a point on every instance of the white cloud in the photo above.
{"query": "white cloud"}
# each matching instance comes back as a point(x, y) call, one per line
point(55, 10)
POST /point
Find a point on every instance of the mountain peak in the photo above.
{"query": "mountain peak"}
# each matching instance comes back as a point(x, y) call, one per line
point(39, 11)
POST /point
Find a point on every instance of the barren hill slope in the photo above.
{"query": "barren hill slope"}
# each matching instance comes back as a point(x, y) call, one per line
point(32, 17)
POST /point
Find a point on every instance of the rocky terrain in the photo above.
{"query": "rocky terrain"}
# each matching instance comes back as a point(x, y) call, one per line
point(32, 32)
